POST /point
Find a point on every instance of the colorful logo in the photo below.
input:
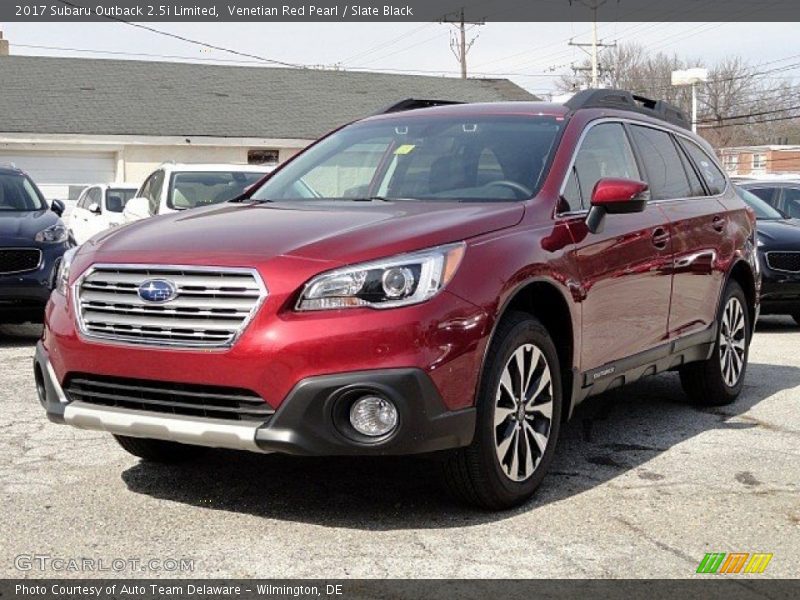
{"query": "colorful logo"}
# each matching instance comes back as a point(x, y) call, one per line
point(734, 562)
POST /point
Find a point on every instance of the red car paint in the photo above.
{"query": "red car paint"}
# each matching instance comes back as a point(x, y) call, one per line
point(625, 295)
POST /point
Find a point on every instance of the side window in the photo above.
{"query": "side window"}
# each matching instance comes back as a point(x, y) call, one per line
point(791, 202)
point(83, 201)
point(94, 196)
point(714, 178)
point(767, 194)
point(572, 193)
point(605, 152)
point(155, 191)
point(665, 173)
point(151, 189)
point(144, 191)
point(695, 185)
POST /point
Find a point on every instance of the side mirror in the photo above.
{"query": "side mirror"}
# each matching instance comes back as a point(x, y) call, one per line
point(136, 209)
point(58, 207)
point(94, 208)
point(615, 197)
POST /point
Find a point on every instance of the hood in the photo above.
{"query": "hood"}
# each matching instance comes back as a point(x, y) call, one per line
point(24, 224)
point(342, 232)
point(784, 233)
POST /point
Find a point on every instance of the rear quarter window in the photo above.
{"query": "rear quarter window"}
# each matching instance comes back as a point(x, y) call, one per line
point(712, 174)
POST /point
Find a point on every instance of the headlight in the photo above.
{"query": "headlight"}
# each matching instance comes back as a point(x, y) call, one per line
point(53, 234)
point(62, 275)
point(397, 281)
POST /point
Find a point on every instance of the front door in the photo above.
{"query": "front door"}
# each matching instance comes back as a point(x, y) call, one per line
point(625, 269)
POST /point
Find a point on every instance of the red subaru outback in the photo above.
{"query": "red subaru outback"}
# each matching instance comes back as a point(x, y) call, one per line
point(449, 278)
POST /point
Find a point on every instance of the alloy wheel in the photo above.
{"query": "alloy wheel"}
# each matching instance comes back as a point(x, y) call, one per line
point(523, 412)
point(732, 342)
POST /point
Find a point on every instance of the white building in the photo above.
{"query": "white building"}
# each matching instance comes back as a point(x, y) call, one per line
point(72, 121)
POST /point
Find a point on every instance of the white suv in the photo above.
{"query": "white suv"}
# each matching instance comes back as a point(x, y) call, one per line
point(173, 187)
point(99, 207)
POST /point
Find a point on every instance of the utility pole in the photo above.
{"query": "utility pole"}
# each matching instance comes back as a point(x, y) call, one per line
point(458, 43)
point(593, 5)
point(3, 45)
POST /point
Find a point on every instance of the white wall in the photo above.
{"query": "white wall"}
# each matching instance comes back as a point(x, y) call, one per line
point(137, 156)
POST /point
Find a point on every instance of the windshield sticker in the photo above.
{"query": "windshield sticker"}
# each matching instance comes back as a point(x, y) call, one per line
point(404, 149)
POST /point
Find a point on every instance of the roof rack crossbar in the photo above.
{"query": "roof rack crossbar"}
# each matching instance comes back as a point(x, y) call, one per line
point(625, 100)
point(412, 103)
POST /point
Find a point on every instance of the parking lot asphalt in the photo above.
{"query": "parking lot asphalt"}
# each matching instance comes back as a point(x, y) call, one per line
point(643, 485)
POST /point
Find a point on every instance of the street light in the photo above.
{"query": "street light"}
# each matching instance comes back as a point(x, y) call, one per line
point(691, 77)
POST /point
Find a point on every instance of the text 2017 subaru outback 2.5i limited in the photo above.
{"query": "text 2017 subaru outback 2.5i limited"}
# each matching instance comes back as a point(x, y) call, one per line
point(456, 278)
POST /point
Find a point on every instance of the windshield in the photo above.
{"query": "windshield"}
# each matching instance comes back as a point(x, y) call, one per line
point(192, 189)
point(423, 158)
point(18, 193)
point(116, 199)
point(764, 212)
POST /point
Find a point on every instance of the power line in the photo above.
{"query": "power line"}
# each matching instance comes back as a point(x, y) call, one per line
point(772, 120)
point(752, 114)
point(196, 42)
point(254, 62)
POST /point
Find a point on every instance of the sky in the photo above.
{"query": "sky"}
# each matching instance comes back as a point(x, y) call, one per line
point(530, 54)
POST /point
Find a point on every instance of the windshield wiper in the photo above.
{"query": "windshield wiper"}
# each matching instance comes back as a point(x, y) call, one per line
point(246, 198)
point(370, 199)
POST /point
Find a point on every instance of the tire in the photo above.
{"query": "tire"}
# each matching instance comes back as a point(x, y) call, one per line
point(719, 380)
point(484, 474)
point(159, 451)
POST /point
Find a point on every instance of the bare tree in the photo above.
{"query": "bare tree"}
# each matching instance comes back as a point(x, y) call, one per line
point(737, 106)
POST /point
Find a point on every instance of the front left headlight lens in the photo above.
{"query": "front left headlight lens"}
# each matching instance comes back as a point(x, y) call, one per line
point(53, 234)
point(398, 281)
point(62, 275)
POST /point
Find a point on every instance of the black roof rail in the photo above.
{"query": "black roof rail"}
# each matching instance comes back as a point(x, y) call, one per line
point(412, 103)
point(625, 100)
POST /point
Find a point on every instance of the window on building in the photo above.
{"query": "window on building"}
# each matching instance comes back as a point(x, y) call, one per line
point(731, 162)
point(759, 162)
point(261, 156)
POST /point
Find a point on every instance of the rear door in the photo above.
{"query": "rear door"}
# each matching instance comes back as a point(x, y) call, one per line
point(698, 222)
point(625, 269)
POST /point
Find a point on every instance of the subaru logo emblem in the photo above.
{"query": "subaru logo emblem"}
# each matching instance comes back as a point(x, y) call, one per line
point(157, 290)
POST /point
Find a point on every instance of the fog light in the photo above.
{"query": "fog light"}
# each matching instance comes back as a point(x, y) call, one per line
point(373, 416)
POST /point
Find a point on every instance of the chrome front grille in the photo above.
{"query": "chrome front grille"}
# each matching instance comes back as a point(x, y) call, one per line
point(211, 307)
point(784, 261)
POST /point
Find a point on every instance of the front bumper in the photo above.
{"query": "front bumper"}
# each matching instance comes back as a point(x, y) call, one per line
point(780, 292)
point(23, 296)
point(309, 421)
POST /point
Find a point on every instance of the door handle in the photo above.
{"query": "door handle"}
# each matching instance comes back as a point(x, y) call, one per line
point(660, 238)
point(718, 223)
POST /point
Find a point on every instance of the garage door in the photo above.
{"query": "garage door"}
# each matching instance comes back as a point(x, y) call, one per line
point(63, 174)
